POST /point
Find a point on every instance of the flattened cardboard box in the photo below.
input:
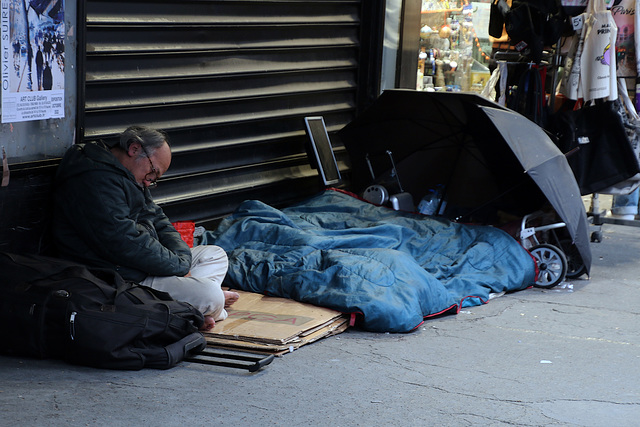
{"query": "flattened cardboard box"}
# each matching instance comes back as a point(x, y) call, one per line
point(340, 325)
point(274, 324)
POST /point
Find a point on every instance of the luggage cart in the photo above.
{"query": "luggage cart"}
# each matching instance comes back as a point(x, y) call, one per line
point(556, 256)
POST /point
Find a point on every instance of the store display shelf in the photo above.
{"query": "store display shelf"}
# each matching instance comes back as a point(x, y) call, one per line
point(424, 12)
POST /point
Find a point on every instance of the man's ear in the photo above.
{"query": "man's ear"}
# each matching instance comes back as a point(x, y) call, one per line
point(134, 148)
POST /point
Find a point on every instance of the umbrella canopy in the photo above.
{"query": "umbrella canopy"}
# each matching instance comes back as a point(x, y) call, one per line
point(487, 158)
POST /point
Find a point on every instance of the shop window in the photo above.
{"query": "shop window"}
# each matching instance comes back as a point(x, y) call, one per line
point(454, 49)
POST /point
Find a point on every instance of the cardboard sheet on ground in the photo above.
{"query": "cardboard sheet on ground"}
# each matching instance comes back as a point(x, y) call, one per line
point(274, 325)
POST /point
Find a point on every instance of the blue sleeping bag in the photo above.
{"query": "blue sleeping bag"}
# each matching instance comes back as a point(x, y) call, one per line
point(392, 268)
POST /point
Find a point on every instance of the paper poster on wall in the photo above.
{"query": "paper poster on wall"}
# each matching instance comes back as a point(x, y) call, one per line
point(32, 59)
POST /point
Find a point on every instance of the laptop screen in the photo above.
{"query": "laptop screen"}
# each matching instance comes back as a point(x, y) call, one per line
point(327, 165)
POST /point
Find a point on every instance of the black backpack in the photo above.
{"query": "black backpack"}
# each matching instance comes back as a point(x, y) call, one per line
point(51, 308)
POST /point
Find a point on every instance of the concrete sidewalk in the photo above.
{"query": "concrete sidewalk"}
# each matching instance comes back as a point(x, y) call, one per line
point(567, 357)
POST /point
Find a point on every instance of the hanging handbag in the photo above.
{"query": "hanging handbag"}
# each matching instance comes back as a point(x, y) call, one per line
point(598, 59)
point(497, 12)
point(573, 7)
point(595, 142)
point(570, 84)
point(631, 121)
point(530, 24)
point(524, 25)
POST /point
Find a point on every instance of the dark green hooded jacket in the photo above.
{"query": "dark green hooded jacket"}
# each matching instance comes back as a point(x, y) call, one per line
point(103, 218)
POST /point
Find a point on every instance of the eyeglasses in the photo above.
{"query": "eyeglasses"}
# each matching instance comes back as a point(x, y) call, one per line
point(154, 173)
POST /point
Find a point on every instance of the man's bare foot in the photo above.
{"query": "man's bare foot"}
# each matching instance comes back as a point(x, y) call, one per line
point(230, 298)
point(209, 323)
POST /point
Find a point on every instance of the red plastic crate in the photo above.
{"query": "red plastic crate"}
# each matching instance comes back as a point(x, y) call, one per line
point(186, 229)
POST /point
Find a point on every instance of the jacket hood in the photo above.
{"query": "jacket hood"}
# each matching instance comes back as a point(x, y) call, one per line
point(89, 157)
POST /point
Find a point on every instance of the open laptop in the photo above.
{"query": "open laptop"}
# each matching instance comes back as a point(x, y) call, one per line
point(325, 160)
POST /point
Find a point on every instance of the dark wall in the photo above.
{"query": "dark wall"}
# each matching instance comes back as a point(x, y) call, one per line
point(25, 209)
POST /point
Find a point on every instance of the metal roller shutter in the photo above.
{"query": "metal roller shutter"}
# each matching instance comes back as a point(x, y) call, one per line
point(230, 81)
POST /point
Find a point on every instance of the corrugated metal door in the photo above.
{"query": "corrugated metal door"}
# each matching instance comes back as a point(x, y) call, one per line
point(230, 81)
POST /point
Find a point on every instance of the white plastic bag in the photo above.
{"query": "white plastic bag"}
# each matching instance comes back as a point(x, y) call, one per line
point(489, 90)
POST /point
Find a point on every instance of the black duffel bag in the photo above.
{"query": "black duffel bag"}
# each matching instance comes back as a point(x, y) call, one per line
point(51, 308)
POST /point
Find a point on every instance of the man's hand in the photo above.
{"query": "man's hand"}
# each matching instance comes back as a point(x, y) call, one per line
point(188, 274)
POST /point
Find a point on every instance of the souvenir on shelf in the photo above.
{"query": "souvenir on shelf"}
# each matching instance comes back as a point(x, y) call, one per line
point(451, 56)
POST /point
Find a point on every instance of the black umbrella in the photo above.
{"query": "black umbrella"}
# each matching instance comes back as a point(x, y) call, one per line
point(489, 160)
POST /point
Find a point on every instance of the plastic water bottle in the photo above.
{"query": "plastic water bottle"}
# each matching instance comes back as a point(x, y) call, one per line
point(429, 203)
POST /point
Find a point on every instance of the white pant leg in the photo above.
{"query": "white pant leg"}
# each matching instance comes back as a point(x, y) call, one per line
point(202, 288)
point(209, 261)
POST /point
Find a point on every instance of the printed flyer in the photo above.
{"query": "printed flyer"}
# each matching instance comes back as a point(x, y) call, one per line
point(624, 14)
point(32, 47)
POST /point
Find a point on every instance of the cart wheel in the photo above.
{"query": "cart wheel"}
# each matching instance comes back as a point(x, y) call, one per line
point(552, 265)
point(575, 265)
point(596, 237)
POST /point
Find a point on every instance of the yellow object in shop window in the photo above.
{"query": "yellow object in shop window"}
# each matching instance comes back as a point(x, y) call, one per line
point(479, 76)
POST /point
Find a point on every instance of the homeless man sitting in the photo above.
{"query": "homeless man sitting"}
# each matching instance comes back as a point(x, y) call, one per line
point(104, 217)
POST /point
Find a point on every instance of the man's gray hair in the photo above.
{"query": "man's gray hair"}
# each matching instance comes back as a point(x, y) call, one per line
point(150, 139)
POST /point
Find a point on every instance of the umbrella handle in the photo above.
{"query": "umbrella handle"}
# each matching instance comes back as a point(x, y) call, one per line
point(395, 171)
point(373, 175)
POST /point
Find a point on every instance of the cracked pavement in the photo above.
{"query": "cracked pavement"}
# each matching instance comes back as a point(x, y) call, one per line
point(561, 357)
